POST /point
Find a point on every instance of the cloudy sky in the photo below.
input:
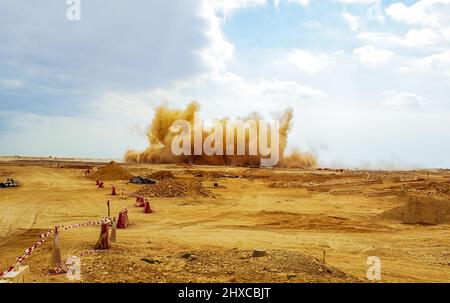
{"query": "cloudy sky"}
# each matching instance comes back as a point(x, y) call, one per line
point(369, 81)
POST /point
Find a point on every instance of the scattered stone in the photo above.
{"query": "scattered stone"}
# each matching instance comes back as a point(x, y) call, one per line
point(192, 257)
point(150, 261)
point(258, 253)
point(168, 188)
point(186, 255)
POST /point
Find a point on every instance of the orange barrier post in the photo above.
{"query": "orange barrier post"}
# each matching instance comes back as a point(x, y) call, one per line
point(147, 208)
point(103, 241)
point(122, 221)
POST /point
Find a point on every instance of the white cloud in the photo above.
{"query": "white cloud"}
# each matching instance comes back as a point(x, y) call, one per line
point(413, 38)
point(219, 50)
point(352, 21)
point(372, 56)
point(309, 62)
point(227, 7)
point(424, 12)
point(301, 2)
point(438, 63)
point(358, 1)
point(403, 99)
point(276, 4)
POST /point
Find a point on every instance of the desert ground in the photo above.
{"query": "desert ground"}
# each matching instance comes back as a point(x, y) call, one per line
point(208, 233)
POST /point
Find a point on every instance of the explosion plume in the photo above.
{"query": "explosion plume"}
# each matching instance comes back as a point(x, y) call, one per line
point(160, 135)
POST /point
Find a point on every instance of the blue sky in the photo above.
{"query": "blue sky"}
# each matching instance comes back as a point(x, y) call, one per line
point(368, 80)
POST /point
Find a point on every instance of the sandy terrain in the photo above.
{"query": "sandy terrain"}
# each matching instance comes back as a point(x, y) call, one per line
point(295, 215)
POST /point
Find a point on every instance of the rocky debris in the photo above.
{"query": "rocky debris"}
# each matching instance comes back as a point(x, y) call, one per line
point(198, 189)
point(142, 180)
point(170, 188)
point(167, 188)
point(126, 264)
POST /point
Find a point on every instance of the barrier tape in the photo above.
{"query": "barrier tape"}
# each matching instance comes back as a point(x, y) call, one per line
point(27, 252)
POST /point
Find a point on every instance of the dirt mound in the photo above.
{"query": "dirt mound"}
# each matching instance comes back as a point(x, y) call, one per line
point(419, 211)
point(111, 172)
point(160, 175)
point(211, 265)
point(169, 188)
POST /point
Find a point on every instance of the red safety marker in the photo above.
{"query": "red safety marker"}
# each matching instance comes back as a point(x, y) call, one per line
point(122, 221)
point(147, 208)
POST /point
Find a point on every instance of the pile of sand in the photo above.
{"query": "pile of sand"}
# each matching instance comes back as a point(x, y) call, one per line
point(111, 172)
point(420, 211)
point(162, 174)
point(169, 188)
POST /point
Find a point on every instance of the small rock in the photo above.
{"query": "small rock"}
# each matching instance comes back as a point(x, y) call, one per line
point(105, 273)
point(291, 276)
point(186, 255)
point(258, 253)
point(192, 257)
point(244, 256)
point(150, 261)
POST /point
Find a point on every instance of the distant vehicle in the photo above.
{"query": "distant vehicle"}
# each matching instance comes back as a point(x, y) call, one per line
point(10, 183)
